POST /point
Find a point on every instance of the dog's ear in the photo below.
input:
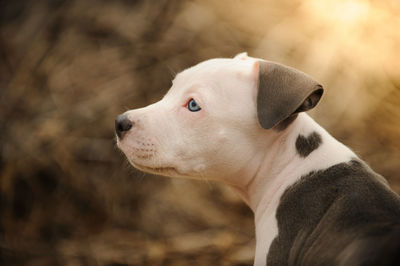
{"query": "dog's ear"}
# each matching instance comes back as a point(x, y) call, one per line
point(241, 56)
point(283, 92)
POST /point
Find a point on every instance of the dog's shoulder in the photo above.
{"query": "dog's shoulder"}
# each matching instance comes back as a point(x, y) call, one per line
point(328, 210)
point(352, 181)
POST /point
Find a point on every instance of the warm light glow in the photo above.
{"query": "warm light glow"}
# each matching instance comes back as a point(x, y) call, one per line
point(351, 11)
point(346, 12)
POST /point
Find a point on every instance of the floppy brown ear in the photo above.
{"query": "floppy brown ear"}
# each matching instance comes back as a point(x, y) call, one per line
point(283, 92)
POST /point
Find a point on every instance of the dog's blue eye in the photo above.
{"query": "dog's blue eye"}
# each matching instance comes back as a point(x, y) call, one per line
point(193, 106)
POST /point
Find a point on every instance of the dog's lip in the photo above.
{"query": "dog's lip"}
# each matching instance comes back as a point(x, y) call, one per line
point(157, 170)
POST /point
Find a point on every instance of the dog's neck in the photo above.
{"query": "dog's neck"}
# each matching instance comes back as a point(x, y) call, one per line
point(278, 164)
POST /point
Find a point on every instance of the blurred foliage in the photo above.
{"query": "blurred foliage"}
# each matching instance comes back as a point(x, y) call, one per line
point(67, 68)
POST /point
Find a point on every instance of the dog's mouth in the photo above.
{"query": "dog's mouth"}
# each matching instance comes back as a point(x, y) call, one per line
point(168, 170)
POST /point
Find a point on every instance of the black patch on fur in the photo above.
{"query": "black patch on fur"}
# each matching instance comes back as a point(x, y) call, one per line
point(22, 199)
point(344, 215)
point(306, 145)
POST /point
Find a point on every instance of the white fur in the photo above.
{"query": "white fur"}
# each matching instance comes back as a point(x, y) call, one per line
point(224, 141)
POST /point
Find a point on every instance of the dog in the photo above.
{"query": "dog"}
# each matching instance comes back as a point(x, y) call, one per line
point(242, 121)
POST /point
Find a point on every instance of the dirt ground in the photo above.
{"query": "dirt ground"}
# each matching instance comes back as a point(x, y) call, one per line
point(67, 68)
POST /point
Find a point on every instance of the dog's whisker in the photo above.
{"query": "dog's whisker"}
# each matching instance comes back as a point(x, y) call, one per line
point(172, 72)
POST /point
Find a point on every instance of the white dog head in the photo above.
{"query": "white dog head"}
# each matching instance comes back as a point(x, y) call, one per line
point(211, 122)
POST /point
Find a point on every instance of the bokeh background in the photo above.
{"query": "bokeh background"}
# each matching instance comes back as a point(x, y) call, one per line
point(67, 68)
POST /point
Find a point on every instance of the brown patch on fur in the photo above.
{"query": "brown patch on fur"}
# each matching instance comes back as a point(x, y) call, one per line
point(306, 145)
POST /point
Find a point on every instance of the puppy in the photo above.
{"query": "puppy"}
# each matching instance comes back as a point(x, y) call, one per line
point(242, 121)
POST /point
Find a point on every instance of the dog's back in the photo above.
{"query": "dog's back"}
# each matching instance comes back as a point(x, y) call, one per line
point(344, 215)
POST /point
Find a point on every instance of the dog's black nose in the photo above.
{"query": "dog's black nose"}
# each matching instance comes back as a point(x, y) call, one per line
point(122, 125)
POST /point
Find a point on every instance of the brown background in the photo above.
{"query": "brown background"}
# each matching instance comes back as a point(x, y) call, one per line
point(67, 68)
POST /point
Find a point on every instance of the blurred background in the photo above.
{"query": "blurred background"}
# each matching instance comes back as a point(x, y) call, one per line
point(67, 68)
